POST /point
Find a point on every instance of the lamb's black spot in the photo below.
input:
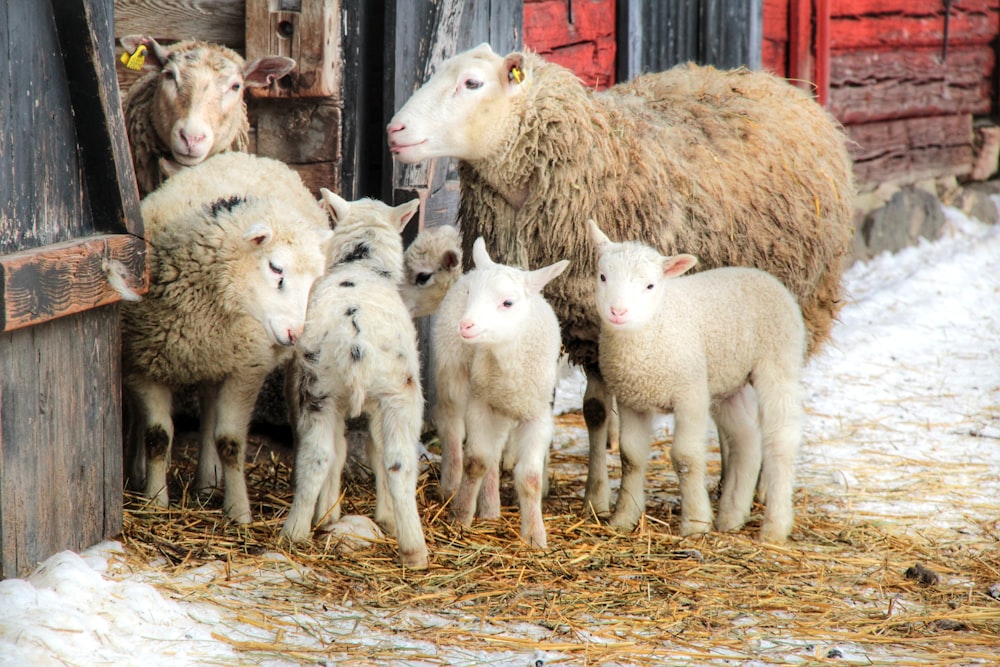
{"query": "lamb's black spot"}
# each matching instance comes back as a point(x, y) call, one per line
point(396, 467)
point(229, 449)
point(311, 356)
point(354, 321)
point(382, 273)
point(307, 399)
point(356, 352)
point(225, 204)
point(350, 310)
point(156, 441)
point(359, 252)
point(346, 283)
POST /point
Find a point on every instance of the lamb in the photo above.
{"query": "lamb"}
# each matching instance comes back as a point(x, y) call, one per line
point(736, 167)
point(190, 105)
point(695, 345)
point(235, 245)
point(496, 350)
point(359, 354)
point(432, 263)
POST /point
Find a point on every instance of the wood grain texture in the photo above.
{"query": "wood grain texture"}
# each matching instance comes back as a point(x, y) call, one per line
point(60, 438)
point(221, 21)
point(912, 148)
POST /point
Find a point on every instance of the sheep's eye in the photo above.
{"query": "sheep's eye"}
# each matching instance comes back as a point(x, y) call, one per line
point(277, 270)
point(170, 74)
point(508, 303)
point(423, 278)
point(473, 84)
point(236, 87)
point(603, 279)
point(650, 286)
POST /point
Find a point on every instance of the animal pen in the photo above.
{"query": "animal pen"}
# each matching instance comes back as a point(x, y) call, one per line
point(71, 210)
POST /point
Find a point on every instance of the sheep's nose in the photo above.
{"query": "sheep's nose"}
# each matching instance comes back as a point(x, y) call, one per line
point(191, 140)
point(292, 337)
point(465, 326)
point(618, 312)
point(392, 128)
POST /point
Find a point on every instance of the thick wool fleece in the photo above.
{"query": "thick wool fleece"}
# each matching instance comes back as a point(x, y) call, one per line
point(735, 167)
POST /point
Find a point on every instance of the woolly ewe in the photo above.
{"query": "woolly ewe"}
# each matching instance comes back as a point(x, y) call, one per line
point(190, 104)
point(496, 350)
point(235, 245)
point(728, 342)
point(359, 354)
point(736, 167)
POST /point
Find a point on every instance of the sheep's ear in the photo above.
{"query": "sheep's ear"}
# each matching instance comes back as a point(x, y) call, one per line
point(258, 235)
point(536, 280)
point(482, 49)
point(678, 264)
point(264, 71)
point(405, 212)
point(340, 208)
point(514, 72)
point(480, 257)
point(156, 55)
point(450, 260)
point(596, 235)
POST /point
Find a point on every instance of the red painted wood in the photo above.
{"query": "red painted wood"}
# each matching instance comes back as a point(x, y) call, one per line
point(910, 7)
point(907, 31)
point(821, 18)
point(800, 59)
point(774, 57)
point(912, 148)
point(586, 46)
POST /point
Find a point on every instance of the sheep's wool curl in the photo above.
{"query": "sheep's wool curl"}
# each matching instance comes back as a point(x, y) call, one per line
point(735, 167)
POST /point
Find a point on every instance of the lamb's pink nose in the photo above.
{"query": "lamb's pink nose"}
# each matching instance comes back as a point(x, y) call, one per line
point(618, 311)
point(292, 336)
point(392, 128)
point(466, 328)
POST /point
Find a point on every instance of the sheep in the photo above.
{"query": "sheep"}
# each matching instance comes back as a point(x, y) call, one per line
point(190, 105)
point(694, 346)
point(235, 245)
point(736, 167)
point(432, 263)
point(496, 345)
point(359, 354)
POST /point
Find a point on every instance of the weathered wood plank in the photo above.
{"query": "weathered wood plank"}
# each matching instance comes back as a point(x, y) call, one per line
point(913, 27)
point(912, 148)
point(221, 21)
point(298, 130)
point(585, 45)
point(871, 85)
point(909, 7)
point(60, 438)
point(42, 284)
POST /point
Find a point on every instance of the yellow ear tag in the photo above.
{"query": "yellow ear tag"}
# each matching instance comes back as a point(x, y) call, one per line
point(516, 74)
point(134, 61)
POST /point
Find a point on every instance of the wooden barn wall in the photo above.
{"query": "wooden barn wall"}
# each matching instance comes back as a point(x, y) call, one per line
point(303, 132)
point(909, 110)
point(579, 35)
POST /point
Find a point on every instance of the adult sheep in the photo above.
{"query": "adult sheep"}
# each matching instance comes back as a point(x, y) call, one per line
point(235, 245)
point(735, 167)
point(190, 105)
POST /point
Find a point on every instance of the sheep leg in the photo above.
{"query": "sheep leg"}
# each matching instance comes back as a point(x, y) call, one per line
point(449, 416)
point(315, 464)
point(531, 441)
point(688, 457)
point(597, 408)
point(780, 415)
point(234, 409)
point(636, 437)
point(488, 504)
point(208, 476)
point(395, 431)
point(736, 419)
point(483, 451)
point(157, 429)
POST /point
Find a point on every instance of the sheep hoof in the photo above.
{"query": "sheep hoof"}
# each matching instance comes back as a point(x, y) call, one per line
point(416, 560)
point(691, 527)
point(729, 524)
point(623, 523)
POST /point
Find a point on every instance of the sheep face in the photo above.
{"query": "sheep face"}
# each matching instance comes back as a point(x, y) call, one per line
point(630, 280)
point(198, 107)
point(457, 112)
point(432, 264)
point(498, 299)
point(281, 275)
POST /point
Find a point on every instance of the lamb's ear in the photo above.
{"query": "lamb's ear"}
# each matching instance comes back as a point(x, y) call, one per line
point(264, 71)
point(258, 235)
point(156, 55)
point(403, 213)
point(339, 207)
point(514, 72)
point(450, 260)
point(596, 235)
point(678, 264)
point(480, 257)
point(537, 280)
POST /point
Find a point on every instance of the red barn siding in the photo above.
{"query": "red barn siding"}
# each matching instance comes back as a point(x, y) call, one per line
point(586, 46)
point(775, 47)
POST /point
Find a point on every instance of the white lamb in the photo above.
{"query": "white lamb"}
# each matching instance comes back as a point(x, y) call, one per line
point(359, 354)
point(189, 105)
point(697, 346)
point(496, 351)
point(432, 263)
point(235, 245)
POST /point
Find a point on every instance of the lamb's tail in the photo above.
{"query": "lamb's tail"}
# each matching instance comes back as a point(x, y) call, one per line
point(118, 276)
point(357, 381)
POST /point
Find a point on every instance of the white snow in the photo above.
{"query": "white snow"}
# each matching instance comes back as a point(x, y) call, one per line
point(908, 391)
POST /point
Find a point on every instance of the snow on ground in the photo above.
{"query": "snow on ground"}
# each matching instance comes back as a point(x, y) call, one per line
point(903, 421)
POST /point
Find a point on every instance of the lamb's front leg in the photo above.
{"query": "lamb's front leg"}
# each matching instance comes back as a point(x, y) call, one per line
point(598, 404)
point(487, 433)
point(156, 432)
point(315, 465)
point(688, 457)
point(530, 442)
point(636, 437)
point(234, 409)
point(449, 417)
